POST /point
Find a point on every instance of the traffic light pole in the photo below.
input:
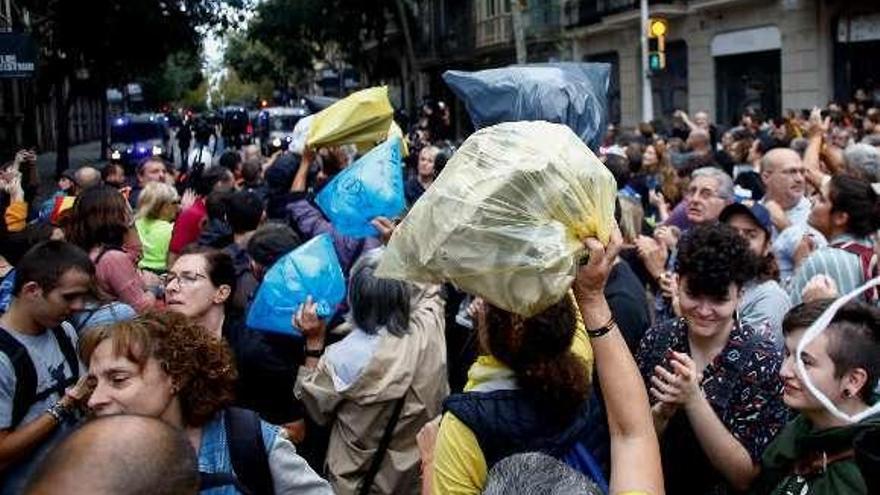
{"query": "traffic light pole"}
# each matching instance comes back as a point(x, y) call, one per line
point(647, 95)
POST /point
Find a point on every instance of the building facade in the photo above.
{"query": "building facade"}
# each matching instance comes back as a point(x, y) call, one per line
point(724, 56)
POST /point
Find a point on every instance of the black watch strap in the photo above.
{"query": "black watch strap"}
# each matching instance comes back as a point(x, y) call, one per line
point(314, 353)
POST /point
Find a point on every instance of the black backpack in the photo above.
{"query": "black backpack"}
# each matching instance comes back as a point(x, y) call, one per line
point(26, 373)
point(250, 462)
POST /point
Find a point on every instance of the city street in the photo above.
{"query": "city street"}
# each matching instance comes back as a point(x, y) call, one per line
point(440, 247)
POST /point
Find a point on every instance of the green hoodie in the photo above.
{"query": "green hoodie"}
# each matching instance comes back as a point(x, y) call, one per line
point(795, 442)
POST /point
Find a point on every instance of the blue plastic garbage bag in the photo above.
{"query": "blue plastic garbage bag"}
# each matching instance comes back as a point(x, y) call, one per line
point(309, 270)
point(370, 187)
point(573, 94)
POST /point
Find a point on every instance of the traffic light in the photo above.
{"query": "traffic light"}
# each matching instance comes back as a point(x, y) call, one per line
point(657, 29)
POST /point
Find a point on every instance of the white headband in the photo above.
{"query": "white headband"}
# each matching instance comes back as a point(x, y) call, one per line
point(819, 326)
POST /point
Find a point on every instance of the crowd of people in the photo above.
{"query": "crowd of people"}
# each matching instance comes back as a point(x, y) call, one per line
point(671, 365)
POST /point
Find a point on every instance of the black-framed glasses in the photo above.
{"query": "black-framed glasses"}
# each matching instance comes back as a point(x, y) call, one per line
point(185, 279)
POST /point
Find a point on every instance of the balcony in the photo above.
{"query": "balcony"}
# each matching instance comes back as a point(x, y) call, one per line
point(577, 13)
point(542, 18)
point(496, 30)
point(446, 31)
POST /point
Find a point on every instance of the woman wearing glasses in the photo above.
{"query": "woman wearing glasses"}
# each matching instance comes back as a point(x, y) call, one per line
point(198, 285)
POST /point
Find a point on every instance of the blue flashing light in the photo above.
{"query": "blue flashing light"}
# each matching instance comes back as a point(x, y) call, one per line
point(119, 121)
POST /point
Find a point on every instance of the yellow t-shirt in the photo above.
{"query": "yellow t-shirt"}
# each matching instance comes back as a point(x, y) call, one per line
point(459, 465)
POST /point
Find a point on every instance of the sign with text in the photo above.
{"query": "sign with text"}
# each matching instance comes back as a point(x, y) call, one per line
point(18, 55)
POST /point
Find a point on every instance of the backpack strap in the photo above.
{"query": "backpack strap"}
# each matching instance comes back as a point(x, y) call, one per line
point(250, 462)
point(69, 352)
point(208, 481)
point(25, 376)
point(376, 462)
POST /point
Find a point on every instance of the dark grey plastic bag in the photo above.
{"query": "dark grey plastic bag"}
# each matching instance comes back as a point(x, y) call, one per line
point(573, 94)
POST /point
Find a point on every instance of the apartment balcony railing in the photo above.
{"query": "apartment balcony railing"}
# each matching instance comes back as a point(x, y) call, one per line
point(495, 30)
point(541, 18)
point(585, 12)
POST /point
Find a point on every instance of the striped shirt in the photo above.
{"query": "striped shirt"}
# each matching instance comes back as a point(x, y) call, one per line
point(843, 267)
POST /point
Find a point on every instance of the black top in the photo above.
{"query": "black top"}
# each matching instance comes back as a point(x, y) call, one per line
point(628, 302)
point(267, 365)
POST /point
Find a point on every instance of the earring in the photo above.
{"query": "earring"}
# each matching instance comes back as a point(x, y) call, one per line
point(847, 394)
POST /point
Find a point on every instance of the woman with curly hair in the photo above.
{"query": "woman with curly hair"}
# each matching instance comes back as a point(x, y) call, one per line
point(100, 222)
point(713, 380)
point(165, 366)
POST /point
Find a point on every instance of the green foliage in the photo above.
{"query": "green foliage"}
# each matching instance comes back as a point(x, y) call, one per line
point(232, 90)
point(179, 74)
point(254, 61)
point(196, 99)
point(119, 41)
point(300, 32)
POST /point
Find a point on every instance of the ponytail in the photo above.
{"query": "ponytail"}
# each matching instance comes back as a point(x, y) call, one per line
point(857, 198)
point(538, 350)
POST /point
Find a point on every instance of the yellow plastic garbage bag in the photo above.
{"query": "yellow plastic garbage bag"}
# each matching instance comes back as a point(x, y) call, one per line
point(393, 130)
point(505, 218)
point(362, 117)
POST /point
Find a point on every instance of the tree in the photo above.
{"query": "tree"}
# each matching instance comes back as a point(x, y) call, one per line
point(179, 74)
point(301, 32)
point(254, 61)
point(232, 90)
point(114, 42)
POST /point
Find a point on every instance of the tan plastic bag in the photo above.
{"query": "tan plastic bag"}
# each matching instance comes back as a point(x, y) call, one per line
point(505, 218)
point(363, 117)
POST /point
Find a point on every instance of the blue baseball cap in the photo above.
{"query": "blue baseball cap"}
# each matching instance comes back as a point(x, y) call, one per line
point(756, 212)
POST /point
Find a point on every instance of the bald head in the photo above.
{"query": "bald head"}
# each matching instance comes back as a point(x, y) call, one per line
point(778, 157)
point(87, 177)
point(133, 455)
point(782, 172)
point(698, 140)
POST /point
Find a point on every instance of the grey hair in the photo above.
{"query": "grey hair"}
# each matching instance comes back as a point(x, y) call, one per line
point(377, 302)
point(871, 140)
point(533, 472)
point(725, 183)
point(864, 158)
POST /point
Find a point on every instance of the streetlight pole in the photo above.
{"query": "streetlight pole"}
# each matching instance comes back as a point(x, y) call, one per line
point(647, 94)
point(519, 30)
